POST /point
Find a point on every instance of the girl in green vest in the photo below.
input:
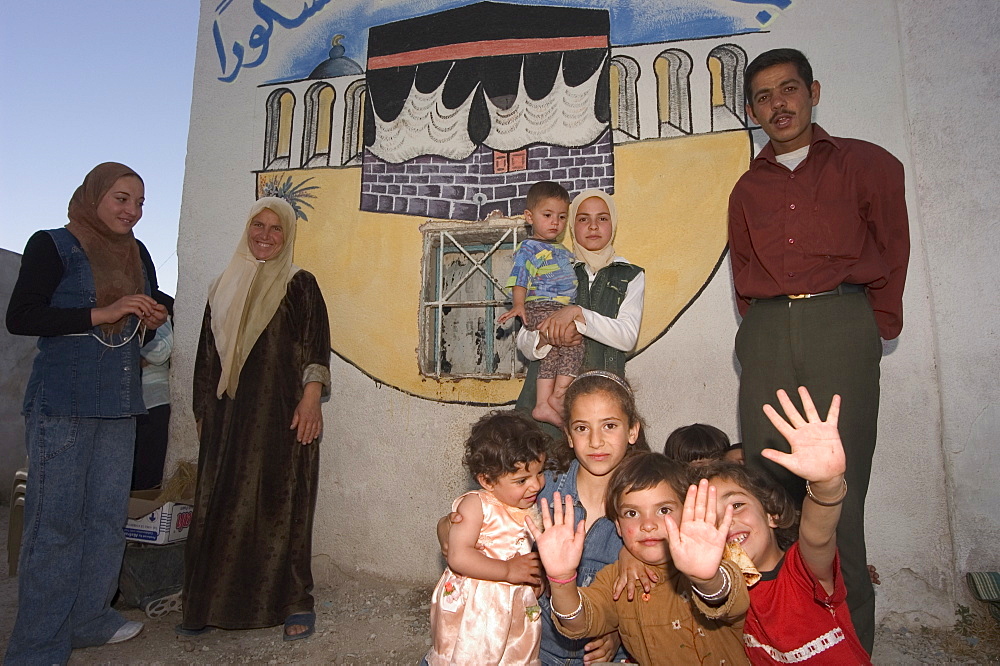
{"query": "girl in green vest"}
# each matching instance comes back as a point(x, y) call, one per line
point(608, 309)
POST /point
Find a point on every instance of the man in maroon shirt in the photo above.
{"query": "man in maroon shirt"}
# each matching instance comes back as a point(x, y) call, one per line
point(819, 243)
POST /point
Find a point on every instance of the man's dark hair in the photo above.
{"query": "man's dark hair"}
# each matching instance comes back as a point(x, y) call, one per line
point(545, 189)
point(772, 58)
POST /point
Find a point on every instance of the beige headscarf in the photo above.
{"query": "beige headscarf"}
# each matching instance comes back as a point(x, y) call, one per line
point(247, 294)
point(114, 258)
point(595, 259)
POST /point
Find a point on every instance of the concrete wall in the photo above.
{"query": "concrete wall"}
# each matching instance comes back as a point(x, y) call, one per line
point(914, 77)
point(949, 55)
point(16, 355)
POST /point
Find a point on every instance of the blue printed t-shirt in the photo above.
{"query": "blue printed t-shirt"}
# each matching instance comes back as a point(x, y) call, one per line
point(545, 269)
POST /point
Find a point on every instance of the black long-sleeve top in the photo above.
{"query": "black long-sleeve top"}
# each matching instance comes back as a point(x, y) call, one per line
point(30, 312)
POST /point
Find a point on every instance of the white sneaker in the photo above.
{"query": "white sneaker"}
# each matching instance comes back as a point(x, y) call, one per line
point(127, 631)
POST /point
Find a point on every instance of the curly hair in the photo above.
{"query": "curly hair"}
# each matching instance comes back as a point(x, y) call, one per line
point(619, 391)
point(642, 471)
point(502, 440)
point(774, 498)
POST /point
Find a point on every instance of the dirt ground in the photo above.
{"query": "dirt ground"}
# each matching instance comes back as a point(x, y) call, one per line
point(363, 620)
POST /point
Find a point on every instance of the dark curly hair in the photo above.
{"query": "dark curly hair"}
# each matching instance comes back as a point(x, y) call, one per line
point(587, 384)
point(775, 499)
point(500, 441)
point(642, 471)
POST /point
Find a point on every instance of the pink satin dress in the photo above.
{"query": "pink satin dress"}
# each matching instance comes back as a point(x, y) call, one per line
point(483, 622)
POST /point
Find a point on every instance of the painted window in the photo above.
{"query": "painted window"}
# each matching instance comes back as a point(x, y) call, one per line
point(673, 92)
point(465, 269)
point(624, 99)
point(355, 99)
point(278, 135)
point(318, 126)
point(727, 64)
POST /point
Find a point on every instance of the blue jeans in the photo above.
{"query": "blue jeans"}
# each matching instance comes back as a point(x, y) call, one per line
point(71, 552)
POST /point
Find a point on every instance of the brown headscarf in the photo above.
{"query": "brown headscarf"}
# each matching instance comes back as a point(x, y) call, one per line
point(245, 297)
point(114, 258)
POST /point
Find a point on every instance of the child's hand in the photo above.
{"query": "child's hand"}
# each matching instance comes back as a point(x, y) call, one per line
point(634, 574)
point(696, 546)
point(560, 544)
point(524, 570)
point(516, 311)
point(817, 452)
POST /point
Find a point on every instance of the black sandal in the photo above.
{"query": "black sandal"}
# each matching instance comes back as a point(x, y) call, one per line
point(307, 620)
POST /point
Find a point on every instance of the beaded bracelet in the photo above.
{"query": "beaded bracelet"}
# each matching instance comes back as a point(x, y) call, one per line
point(570, 616)
point(835, 502)
point(562, 582)
point(723, 591)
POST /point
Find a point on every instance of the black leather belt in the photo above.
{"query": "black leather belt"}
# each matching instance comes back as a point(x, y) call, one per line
point(845, 288)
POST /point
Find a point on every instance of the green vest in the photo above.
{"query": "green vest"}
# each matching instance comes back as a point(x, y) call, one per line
point(604, 296)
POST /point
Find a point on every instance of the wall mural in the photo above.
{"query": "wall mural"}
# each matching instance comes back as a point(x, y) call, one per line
point(407, 135)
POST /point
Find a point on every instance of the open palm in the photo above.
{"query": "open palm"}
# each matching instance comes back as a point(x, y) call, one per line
point(817, 452)
point(696, 545)
point(560, 544)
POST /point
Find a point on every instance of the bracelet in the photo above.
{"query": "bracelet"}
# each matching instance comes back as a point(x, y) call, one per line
point(561, 582)
point(835, 502)
point(570, 616)
point(722, 593)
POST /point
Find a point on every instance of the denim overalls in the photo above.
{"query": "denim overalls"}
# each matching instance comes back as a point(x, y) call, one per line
point(600, 548)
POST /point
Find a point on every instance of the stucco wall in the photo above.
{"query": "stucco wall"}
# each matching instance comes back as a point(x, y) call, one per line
point(949, 54)
point(904, 74)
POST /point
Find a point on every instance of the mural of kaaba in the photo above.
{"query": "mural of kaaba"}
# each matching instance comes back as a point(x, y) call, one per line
point(466, 108)
point(398, 160)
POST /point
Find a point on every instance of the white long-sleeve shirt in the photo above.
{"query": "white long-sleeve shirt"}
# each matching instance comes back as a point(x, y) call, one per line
point(621, 332)
point(156, 375)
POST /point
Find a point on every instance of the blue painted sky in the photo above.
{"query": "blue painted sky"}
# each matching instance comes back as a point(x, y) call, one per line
point(637, 22)
point(87, 82)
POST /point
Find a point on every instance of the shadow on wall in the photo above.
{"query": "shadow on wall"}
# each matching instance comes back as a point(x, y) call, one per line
point(16, 355)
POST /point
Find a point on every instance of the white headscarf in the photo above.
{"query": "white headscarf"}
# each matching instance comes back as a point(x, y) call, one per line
point(595, 259)
point(247, 294)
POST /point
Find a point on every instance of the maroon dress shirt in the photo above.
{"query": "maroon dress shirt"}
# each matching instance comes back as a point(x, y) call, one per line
point(839, 217)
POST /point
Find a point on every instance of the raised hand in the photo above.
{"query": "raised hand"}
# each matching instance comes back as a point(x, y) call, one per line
point(560, 544)
point(696, 545)
point(817, 452)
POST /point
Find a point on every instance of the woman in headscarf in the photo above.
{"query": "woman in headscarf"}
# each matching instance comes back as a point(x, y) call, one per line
point(606, 319)
point(83, 291)
point(262, 366)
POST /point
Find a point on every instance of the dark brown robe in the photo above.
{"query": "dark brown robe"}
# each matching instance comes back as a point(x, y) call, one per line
point(247, 559)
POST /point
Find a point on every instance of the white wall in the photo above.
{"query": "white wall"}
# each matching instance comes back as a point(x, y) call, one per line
point(950, 69)
point(902, 73)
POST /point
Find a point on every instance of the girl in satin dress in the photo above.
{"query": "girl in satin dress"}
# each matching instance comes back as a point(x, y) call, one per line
point(484, 609)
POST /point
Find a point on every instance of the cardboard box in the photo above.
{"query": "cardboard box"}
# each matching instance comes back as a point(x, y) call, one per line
point(150, 521)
